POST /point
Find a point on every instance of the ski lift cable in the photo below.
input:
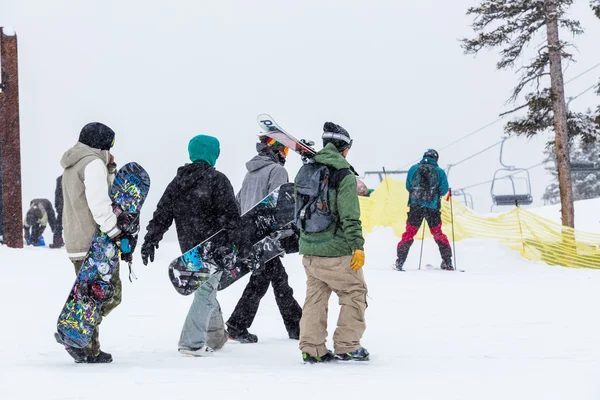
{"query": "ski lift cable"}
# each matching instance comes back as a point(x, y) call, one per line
point(505, 176)
point(503, 116)
point(478, 153)
point(570, 99)
point(583, 73)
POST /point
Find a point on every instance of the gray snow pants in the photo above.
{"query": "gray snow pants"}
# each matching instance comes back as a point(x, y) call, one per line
point(204, 322)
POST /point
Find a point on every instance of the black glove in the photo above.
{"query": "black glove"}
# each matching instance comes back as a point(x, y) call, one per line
point(148, 252)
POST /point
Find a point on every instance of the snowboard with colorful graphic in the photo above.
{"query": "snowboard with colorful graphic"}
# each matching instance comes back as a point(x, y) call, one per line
point(92, 287)
point(267, 231)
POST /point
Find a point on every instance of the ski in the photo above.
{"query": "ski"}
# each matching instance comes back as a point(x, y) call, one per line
point(428, 267)
point(272, 129)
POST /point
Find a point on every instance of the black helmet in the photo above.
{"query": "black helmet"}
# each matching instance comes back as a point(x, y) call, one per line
point(333, 133)
point(431, 153)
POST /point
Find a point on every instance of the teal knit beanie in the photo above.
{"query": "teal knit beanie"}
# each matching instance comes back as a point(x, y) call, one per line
point(204, 148)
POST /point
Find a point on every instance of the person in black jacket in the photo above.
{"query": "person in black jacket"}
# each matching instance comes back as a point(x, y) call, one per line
point(57, 241)
point(201, 201)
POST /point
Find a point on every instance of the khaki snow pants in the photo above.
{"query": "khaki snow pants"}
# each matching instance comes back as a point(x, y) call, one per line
point(324, 275)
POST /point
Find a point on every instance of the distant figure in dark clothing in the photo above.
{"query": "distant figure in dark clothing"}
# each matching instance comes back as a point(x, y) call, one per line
point(40, 214)
point(58, 241)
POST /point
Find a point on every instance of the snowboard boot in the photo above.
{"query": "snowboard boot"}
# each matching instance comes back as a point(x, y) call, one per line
point(78, 354)
point(447, 265)
point(242, 336)
point(328, 357)
point(203, 351)
point(357, 355)
point(101, 358)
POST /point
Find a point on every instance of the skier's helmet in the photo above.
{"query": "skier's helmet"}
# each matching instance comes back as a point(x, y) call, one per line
point(431, 153)
point(269, 144)
point(333, 133)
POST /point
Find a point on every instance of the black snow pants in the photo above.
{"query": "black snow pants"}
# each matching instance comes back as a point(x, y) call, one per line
point(246, 308)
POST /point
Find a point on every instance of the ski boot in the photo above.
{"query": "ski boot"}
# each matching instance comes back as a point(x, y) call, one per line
point(399, 266)
point(357, 355)
point(447, 265)
point(328, 357)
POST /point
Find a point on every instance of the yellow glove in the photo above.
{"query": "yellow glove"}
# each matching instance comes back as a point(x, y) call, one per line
point(358, 260)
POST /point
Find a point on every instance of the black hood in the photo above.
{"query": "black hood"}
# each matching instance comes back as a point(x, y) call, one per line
point(97, 135)
point(189, 175)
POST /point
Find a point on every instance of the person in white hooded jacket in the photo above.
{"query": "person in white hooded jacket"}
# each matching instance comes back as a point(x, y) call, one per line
point(89, 170)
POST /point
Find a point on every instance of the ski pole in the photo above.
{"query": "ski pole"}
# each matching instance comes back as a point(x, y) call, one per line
point(422, 240)
point(452, 223)
point(386, 182)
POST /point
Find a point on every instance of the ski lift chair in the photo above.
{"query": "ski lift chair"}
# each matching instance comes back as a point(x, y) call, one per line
point(584, 167)
point(467, 199)
point(514, 198)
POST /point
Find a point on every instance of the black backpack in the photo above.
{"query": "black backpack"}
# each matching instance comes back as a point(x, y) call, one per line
point(425, 185)
point(312, 211)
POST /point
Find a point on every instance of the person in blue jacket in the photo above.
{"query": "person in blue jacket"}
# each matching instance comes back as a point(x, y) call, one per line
point(426, 184)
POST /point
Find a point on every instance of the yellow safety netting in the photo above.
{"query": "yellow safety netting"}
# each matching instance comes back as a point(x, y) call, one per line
point(534, 237)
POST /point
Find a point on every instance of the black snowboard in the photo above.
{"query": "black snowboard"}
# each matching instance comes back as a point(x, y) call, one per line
point(267, 231)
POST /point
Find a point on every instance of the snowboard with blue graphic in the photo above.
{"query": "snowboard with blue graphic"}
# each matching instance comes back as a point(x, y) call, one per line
point(267, 231)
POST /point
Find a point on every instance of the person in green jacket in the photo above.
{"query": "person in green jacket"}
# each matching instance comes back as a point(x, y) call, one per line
point(333, 259)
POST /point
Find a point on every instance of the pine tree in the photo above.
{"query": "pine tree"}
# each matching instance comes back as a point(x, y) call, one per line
point(513, 25)
point(586, 184)
point(595, 4)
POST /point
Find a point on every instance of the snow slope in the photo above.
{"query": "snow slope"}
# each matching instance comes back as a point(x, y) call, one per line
point(504, 329)
point(587, 217)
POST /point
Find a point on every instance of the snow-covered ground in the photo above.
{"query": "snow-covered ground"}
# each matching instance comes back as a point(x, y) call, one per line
point(506, 328)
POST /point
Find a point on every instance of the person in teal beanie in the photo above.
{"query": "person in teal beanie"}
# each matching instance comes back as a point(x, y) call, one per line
point(203, 148)
point(201, 201)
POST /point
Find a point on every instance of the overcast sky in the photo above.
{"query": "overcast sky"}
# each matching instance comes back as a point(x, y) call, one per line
point(159, 72)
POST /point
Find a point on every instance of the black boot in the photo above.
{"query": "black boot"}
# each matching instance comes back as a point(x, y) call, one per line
point(242, 336)
point(57, 242)
point(399, 265)
point(328, 357)
point(447, 265)
point(294, 334)
point(101, 358)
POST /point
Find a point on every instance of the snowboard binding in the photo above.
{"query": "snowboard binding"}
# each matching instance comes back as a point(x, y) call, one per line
point(95, 290)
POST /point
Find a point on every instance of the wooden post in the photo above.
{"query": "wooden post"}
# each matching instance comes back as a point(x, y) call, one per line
point(10, 139)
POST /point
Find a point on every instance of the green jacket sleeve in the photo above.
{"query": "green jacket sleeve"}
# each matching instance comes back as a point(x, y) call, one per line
point(348, 209)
